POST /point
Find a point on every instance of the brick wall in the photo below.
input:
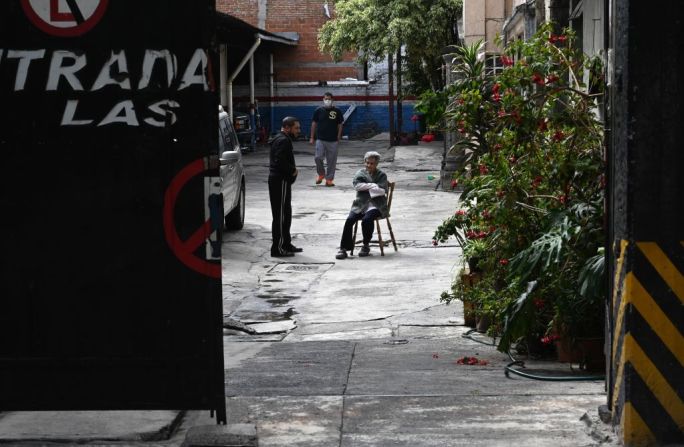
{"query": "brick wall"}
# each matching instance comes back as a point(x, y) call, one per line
point(303, 62)
point(245, 10)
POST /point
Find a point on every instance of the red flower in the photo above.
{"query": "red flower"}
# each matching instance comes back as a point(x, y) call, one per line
point(537, 79)
point(460, 213)
point(496, 87)
point(497, 147)
point(542, 125)
point(502, 113)
point(506, 61)
point(558, 135)
point(470, 361)
point(562, 38)
point(434, 242)
point(537, 181)
point(496, 97)
point(512, 159)
point(500, 193)
point(486, 214)
point(454, 183)
point(428, 137)
point(470, 234)
point(483, 169)
point(461, 126)
point(492, 229)
point(550, 79)
point(414, 118)
point(503, 261)
point(482, 234)
point(563, 198)
point(461, 101)
point(549, 339)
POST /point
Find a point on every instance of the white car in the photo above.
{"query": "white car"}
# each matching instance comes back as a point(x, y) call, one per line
point(232, 174)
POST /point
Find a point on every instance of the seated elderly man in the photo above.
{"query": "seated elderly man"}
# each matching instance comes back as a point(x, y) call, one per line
point(371, 202)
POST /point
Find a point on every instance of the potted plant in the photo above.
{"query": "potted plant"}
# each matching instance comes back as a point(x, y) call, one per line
point(474, 252)
point(533, 190)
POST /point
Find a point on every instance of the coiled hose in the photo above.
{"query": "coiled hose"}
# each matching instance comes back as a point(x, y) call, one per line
point(509, 369)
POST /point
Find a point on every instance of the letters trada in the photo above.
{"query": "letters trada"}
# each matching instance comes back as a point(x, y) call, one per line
point(65, 73)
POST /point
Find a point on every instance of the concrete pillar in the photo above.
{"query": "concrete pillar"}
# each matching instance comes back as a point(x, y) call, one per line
point(646, 222)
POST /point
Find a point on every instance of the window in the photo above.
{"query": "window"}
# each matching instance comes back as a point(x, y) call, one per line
point(493, 64)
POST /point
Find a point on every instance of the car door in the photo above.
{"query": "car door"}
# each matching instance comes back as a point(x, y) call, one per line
point(229, 151)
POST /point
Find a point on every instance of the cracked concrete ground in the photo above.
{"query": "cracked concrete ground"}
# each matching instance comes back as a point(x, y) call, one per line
point(366, 354)
point(359, 352)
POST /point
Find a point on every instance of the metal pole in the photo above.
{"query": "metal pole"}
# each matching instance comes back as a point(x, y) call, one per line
point(272, 92)
point(400, 113)
point(223, 69)
point(252, 103)
point(232, 77)
point(390, 81)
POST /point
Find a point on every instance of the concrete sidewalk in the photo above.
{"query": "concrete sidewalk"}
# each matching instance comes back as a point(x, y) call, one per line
point(358, 352)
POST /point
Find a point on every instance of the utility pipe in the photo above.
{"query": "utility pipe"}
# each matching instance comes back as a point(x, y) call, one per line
point(240, 66)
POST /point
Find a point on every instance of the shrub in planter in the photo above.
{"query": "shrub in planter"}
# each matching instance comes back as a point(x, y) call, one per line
point(533, 188)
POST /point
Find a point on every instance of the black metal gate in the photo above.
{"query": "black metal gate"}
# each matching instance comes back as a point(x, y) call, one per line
point(108, 298)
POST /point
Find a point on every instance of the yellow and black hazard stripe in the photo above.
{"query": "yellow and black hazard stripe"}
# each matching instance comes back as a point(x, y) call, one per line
point(647, 396)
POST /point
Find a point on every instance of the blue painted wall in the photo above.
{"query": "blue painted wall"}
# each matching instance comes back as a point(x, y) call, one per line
point(366, 121)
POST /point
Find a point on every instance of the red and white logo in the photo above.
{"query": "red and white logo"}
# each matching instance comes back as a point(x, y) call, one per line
point(64, 18)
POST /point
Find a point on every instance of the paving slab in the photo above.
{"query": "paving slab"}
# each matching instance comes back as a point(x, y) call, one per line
point(491, 421)
point(87, 426)
point(428, 367)
point(291, 421)
point(293, 369)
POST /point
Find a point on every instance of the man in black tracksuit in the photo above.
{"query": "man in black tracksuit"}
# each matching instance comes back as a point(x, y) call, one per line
point(282, 174)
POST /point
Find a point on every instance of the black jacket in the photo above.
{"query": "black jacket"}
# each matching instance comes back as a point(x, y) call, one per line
point(282, 162)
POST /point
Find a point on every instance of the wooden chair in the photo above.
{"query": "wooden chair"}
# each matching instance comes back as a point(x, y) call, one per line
point(380, 242)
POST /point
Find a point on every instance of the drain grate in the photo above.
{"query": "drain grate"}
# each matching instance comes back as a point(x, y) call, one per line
point(301, 268)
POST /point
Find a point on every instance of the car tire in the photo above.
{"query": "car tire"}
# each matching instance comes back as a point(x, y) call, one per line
point(235, 220)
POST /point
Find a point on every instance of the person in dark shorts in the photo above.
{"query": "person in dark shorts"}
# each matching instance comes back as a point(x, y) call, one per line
point(326, 132)
point(282, 174)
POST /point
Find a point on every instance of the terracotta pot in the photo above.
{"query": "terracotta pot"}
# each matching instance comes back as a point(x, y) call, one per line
point(483, 323)
point(587, 352)
point(469, 313)
point(473, 264)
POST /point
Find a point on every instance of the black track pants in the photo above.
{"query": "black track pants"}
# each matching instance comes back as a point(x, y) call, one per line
point(280, 193)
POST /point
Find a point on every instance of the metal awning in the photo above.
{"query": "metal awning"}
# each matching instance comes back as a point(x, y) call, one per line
point(236, 32)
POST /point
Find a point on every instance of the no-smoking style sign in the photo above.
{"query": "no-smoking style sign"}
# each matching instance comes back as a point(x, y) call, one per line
point(65, 18)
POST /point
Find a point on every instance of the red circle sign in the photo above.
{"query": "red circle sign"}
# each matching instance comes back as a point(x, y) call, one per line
point(185, 250)
point(64, 18)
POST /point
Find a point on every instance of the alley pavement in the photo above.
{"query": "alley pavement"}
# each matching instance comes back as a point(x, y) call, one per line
point(353, 352)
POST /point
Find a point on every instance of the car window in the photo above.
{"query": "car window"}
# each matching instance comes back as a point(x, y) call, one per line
point(226, 135)
point(221, 142)
point(231, 139)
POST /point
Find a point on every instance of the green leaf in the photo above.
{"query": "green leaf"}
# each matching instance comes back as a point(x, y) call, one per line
point(520, 318)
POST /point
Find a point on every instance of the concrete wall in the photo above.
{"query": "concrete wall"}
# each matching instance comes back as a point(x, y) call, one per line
point(371, 115)
point(483, 20)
